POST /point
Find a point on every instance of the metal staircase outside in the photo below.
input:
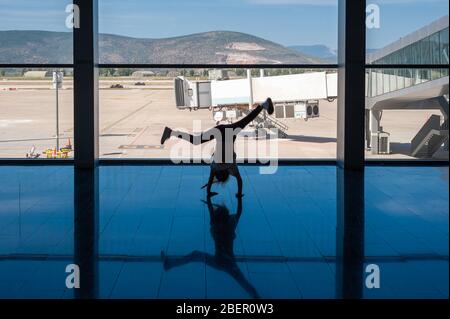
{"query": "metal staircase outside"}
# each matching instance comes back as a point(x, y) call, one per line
point(266, 121)
point(430, 137)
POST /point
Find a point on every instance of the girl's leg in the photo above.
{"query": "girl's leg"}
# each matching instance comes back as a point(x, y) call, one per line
point(184, 136)
point(195, 256)
point(196, 140)
point(166, 134)
point(267, 105)
point(237, 274)
point(210, 182)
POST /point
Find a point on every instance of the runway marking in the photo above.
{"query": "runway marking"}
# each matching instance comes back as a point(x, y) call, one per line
point(126, 117)
point(140, 147)
point(137, 136)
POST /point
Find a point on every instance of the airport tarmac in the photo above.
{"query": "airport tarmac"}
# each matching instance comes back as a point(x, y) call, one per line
point(132, 120)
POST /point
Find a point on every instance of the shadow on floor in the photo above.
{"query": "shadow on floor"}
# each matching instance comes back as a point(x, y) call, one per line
point(401, 148)
point(223, 231)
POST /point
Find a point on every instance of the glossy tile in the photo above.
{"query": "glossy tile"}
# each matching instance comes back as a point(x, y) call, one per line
point(148, 232)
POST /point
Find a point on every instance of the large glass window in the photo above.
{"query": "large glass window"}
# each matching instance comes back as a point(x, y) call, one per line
point(217, 32)
point(396, 28)
point(36, 117)
point(406, 122)
point(136, 105)
point(407, 107)
point(35, 32)
point(427, 50)
point(406, 114)
point(443, 43)
point(184, 80)
point(36, 87)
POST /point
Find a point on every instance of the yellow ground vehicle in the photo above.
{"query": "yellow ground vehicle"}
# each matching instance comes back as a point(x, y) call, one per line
point(52, 153)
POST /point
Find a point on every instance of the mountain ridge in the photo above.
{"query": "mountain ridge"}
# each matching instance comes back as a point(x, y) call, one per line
point(317, 50)
point(212, 47)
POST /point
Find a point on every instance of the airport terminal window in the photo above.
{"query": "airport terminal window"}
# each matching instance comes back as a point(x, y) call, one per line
point(430, 50)
point(407, 108)
point(31, 107)
point(382, 81)
point(36, 89)
point(136, 105)
point(404, 119)
point(407, 32)
point(220, 32)
point(244, 45)
point(35, 32)
point(211, 37)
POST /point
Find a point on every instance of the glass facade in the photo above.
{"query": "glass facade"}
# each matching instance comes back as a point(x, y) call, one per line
point(430, 50)
point(382, 81)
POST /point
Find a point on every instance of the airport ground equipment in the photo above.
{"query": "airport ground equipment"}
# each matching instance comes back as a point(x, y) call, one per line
point(384, 142)
point(54, 153)
point(192, 95)
point(32, 153)
point(298, 110)
point(266, 122)
point(295, 96)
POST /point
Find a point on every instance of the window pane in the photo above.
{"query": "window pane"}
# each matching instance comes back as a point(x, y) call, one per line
point(35, 32)
point(444, 46)
point(409, 77)
point(392, 80)
point(374, 83)
point(409, 122)
point(136, 105)
point(408, 32)
point(30, 105)
point(386, 81)
point(435, 49)
point(218, 32)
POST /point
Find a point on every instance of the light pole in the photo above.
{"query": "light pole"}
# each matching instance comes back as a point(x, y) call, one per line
point(57, 84)
point(250, 85)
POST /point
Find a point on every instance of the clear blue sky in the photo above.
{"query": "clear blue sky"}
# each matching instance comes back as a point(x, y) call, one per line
point(288, 22)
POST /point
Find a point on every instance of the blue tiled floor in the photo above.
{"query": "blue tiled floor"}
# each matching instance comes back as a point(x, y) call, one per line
point(284, 245)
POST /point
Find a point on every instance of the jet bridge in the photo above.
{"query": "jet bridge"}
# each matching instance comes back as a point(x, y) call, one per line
point(294, 96)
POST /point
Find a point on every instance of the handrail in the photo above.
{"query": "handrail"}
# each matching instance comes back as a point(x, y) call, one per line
point(433, 123)
point(278, 124)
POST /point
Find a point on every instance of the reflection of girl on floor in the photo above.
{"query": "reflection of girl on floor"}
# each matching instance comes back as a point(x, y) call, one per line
point(223, 163)
point(223, 231)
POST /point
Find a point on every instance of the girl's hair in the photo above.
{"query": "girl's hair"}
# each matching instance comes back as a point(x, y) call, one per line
point(222, 176)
